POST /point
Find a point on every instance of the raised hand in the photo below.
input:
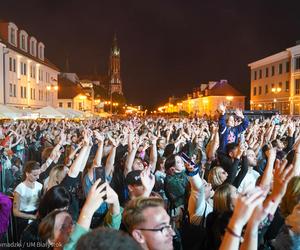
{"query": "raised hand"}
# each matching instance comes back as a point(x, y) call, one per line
point(222, 108)
point(148, 180)
point(99, 136)
point(239, 113)
point(282, 176)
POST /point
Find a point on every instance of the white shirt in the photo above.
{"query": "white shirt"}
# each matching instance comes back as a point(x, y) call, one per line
point(29, 197)
point(249, 181)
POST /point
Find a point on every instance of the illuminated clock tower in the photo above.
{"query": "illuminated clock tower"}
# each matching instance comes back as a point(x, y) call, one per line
point(114, 71)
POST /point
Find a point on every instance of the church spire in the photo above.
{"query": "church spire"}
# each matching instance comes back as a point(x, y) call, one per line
point(115, 48)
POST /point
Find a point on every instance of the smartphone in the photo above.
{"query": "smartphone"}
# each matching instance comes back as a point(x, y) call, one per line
point(100, 173)
point(187, 159)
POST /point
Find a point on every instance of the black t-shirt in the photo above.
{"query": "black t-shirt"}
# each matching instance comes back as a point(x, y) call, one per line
point(74, 187)
point(118, 184)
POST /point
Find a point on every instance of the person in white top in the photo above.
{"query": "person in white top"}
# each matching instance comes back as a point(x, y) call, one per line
point(26, 196)
point(249, 181)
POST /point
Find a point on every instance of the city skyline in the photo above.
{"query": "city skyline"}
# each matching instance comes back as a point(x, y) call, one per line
point(167, 48)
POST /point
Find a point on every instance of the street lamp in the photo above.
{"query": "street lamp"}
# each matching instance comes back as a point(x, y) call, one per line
point(275, 91)
point(51, 88)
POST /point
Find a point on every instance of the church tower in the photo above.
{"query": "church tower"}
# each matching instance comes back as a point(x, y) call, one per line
point(114, 71)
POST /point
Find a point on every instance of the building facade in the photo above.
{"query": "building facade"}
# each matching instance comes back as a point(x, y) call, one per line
point(275, 82)
point(207, 98)
point(27, 78)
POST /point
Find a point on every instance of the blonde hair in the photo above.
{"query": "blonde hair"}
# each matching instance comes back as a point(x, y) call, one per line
point(133, 212)
point(56, 175)
point(222, 198)
point(291, 197)
point(214, 177)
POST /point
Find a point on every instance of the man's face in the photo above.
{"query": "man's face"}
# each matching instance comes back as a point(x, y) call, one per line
point(251, 157)
point(156, 218)
point(161, 144)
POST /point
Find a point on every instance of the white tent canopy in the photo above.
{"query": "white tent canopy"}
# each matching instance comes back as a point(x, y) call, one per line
point(49, 112)
point(71, 113)
point(9, 112)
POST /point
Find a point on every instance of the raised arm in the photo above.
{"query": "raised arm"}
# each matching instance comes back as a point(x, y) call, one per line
point(153, 153)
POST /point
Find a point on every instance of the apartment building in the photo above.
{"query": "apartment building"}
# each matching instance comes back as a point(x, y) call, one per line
point(275, 82)
point(27, 77)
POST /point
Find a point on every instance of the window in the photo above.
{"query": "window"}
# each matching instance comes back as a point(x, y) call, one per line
point(10, 64)
point(41, 75)
point(259, 90)
point(15, 90)
point(287, 67)
point(25, 92)
point(255, 75)
point(23, 68)
point(297, 63)
point(22, 96)
point(280, 68)
point(10, 89)
point(280, 85)
point(69, 104)
point(60, 104)
point(80, 105)
point(266, 89)
point(273, 70)
point(23, 42)
point(287, 86)
point(260, 74)
point(254, 91)
point(13, 36)
point(267, 72)
point(14, 65)
point(297, 86)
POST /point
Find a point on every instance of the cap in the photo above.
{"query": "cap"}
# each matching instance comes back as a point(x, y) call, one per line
point(134, 178)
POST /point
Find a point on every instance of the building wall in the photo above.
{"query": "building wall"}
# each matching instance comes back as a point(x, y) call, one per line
point(1, 73)
point(285, 98)
point(35, 81)
point(28, 82)
point(79, 102)
point(209, 104)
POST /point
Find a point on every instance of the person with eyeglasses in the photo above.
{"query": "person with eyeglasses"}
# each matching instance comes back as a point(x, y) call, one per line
point(148, 223)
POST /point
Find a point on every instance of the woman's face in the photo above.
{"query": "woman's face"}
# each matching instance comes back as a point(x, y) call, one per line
point(33, 175)
point(209, 192)
point(222, 174)
point(179, 164)
point(63, 228)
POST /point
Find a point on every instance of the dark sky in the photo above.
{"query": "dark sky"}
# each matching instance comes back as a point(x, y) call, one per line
point(167, 46)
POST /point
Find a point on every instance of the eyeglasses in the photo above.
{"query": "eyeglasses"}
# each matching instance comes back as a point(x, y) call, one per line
point(165, 230)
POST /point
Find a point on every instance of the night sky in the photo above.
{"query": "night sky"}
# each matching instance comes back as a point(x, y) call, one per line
point(168, 47)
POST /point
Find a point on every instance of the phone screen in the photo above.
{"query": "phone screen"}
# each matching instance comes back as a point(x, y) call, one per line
point(187, 159)
point(100, 173)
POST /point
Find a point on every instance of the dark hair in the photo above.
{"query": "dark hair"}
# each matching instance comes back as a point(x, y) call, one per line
point(107, 239)
point(55, 198)
point(169, 150)
point(170, 162)
point(46, 227)
point(30, 166)
point(230, 147)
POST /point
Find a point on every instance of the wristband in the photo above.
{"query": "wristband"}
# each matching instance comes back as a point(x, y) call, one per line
point(193, 173)
point(234, 234)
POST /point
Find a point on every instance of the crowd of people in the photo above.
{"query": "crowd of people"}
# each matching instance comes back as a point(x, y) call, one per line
point(157, 183)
